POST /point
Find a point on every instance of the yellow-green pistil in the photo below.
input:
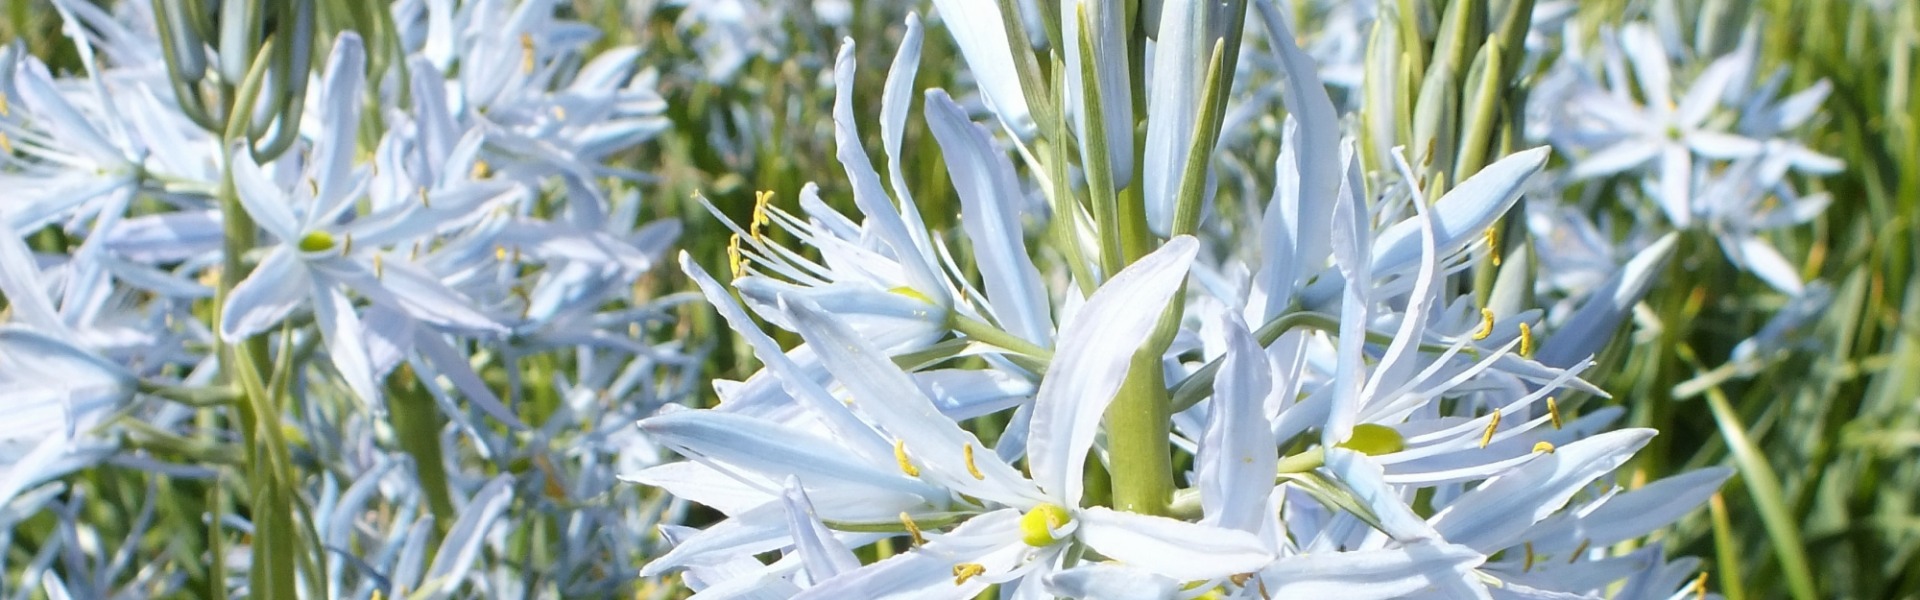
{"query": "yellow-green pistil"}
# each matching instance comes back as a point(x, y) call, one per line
point(316, 241)
point(1373, 440)
point(1037, 526)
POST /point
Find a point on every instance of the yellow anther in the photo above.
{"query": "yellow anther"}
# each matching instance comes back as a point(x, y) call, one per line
point(4, 109)
point(1486, 325)
point(734, 261)
point(1581, 549)
point(1526, 340)
point(760, 218)
point(1036, 527)
point(423, 198)
point(480, 170)
point(1553, 412)
point(1700, 586)
point(6, 145)
point(526, 53)
point(500, 253)
point(1487, 437)
point(346, 244)
point(964, 571)
point(633, 330)
point(378, 269)
point(1528, 565)
point(559, 112)
point(967, 452)
point(313, 187)
point(414, 254)
point(1493, 245)
point(913, 529)
point(900, 454)
point(914, 294)
point(1543, 446)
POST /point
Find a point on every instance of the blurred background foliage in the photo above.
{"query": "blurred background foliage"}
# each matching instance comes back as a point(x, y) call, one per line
point(1825, 435)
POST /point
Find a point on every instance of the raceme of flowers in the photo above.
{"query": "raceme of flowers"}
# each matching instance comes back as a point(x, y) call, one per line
point(1224, 311)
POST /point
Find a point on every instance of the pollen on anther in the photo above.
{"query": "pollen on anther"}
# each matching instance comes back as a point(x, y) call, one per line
point(1528, 565)
point(378, 269)
point(1543, 446)
point(967, 452)
point(1493, 246)
point(913, 529)
point(900, 454)
point(481, 170)
point(1553, 412)
point(734, 261)
point(500, 252)
point(346, 244)
point(964, 571)
point(526, 53)
point(1579, 550)
point(1486, 325)
point(424, 202)
point(1526, 340)
point(1700, 586)
point(1492, 425)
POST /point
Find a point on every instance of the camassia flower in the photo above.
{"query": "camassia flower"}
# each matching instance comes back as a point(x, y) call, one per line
point(1013, 530)
point(317, 259)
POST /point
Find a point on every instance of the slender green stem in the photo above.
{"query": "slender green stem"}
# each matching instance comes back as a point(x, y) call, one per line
point(1764, 486)
point(994, 336)
point(1140, 423)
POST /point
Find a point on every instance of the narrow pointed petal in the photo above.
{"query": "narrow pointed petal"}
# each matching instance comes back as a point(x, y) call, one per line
point(1317, 128)
point(462, 545)
point(1591, 326)
point(1764, 261)
point(771, 450)
point(1103, 581)
point(340, 328)
point(1490, 517)
point(824, 555)
point(272, 291)
point(895, 101)
point(1408, 571)
point(980, 33)
point(991, 540)
point(1176, 549)
point(262, 197)
point(1463, 213)
point(989, 194)
point(1620, 156)
point(1095, 349)
point(888, 397)
point(1236, 457)
point(868, 193)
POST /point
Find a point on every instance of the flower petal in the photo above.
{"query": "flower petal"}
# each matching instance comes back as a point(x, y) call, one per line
point(983, 179)
point(1095, 349)
point(1491, 517)
point(1236, 457)
point(1369, 574)
point(272, 291)
point(1177, 549)
point(824, 555)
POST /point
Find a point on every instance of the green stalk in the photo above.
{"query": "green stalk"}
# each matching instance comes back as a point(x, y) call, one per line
point(416, 424)
point(1761, 482)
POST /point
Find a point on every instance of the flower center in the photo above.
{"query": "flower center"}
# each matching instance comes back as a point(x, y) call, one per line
point(316, 241)
point(1037, 526)
point(1373, 439)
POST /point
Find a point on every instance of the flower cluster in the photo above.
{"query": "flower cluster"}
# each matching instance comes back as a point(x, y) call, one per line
point(1327, 411)
point(416, 315)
